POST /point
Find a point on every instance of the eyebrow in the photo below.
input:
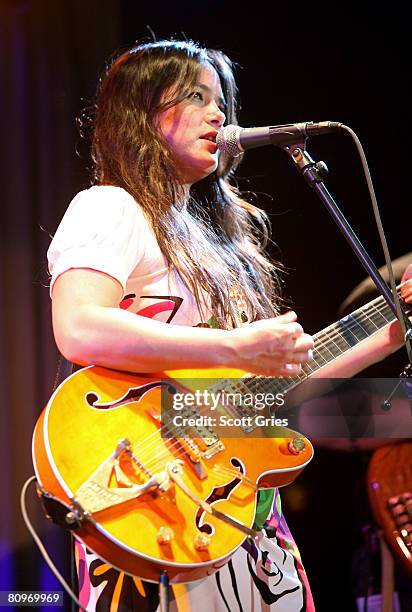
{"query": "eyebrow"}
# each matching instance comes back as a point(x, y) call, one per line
point(208, 90)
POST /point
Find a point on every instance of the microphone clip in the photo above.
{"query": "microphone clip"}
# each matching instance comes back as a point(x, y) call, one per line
point(314, 172)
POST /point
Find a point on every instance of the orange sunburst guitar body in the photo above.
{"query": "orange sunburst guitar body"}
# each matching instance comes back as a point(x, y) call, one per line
point(154, 504)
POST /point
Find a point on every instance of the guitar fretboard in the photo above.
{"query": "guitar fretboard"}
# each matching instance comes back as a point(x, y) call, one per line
point(330, 343)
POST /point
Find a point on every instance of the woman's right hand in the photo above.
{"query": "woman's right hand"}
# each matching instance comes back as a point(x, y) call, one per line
point(271, 347)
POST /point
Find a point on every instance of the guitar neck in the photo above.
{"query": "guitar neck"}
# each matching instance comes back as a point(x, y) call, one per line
point(333, 342)
point(340, 337)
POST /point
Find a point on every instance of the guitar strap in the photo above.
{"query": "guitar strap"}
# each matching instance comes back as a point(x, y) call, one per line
point(64, 369)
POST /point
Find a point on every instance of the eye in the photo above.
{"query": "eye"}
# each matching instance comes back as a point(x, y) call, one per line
point(197, 95)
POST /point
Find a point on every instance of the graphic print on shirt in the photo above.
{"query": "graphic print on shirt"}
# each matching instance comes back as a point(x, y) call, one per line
point(108, 589)
point(163, 311)
point(274, 561)
point(273, 571)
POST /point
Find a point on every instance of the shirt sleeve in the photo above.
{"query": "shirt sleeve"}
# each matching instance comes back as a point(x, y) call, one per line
point(103, 229)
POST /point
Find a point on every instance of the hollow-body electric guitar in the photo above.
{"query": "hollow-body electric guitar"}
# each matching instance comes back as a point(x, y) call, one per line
point(184, 503)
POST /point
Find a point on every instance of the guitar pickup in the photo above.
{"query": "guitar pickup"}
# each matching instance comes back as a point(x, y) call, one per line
point(189, 448)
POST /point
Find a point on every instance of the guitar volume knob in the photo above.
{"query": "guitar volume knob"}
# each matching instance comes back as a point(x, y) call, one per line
point(202, 541)
point(165, 536)
point(296, 446)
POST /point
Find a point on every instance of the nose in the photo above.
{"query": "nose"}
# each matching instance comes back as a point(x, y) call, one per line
point(216, 116)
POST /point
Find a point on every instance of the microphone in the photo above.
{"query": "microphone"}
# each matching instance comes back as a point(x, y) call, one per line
point(234, 140)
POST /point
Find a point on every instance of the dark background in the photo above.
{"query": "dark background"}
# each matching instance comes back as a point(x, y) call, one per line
point(318, 61)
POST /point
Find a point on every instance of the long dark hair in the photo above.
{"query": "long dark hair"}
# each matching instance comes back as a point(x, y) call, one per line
point(214, 239)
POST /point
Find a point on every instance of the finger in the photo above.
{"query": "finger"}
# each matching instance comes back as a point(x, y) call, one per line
point(290, 369)
point(291, 341)
point(294, 330)
point(285, 343)
point(406, 292)
point(407, 275)
point(287, 317)
point(305, 342)
point(299, 357)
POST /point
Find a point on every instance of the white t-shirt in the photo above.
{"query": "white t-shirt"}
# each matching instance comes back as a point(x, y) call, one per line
point(106, 230)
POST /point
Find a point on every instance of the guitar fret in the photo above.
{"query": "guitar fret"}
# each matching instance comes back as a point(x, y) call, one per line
point(352, 330)
point(328, 350)
point(339, 345)
point(378, 318)
point(373, 320)
point(317, 355)
point(324, 349)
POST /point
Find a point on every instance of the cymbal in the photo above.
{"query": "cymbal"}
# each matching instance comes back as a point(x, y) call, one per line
point(366, 290)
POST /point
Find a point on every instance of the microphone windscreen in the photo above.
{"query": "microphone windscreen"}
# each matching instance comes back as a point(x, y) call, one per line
point(227, 140)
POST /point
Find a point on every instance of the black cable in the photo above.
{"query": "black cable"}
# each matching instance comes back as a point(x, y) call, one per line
point(41, 546)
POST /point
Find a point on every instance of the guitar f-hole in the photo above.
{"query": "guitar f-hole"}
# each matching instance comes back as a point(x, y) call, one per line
point(219, 494)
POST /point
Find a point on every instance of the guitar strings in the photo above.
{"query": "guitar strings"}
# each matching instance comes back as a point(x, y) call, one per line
point(166, 452)
point(321, 340)
point(319, 344)
point(324, 337)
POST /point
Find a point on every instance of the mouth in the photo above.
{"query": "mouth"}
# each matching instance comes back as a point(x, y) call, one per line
point(211, 136)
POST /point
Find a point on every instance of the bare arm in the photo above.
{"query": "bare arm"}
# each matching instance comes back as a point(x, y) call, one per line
point(90, 328)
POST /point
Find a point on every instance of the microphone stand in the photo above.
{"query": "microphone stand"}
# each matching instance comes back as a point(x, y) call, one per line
point(314, 173)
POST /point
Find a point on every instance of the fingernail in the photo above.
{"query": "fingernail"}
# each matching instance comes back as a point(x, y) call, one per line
point(292, 366)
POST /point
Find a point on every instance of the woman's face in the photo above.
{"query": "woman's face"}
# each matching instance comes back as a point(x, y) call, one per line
point(190, 127)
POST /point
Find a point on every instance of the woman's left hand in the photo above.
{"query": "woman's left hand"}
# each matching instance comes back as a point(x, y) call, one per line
point(406, 290)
